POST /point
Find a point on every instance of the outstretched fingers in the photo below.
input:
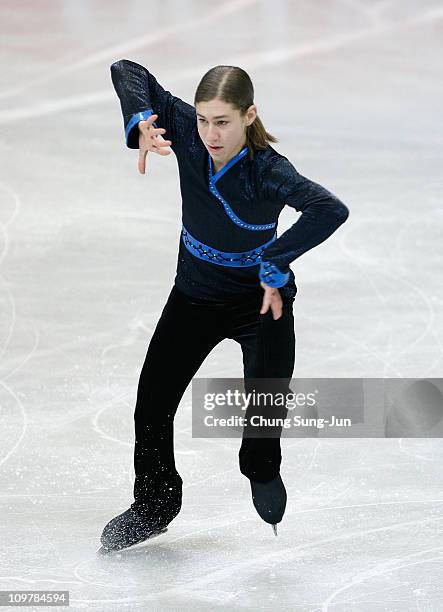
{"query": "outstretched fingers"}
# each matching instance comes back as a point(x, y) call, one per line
point(142, 153)
point(160, 145)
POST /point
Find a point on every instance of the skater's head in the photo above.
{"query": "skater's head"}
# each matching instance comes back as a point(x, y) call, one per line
point(226, 113)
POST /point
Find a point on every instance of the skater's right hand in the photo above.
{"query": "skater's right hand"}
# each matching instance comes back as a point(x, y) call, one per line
point(150, 139)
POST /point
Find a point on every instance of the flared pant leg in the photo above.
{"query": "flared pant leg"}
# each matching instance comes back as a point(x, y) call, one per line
point(268, 348)
point(185, 334)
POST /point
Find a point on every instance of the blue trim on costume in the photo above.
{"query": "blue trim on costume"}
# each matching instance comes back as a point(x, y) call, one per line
point(135, 119)
point(226, 167)
point(231, 214)
point(224, 258)
point(271, 275)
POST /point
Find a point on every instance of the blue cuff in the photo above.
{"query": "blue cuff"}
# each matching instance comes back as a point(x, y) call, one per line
point(135, 120)
point(271, 275)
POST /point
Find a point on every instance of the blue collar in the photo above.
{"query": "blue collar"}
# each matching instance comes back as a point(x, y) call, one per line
point(214, 177)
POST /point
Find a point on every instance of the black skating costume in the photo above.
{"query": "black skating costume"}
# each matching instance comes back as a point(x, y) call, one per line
point(228, 244)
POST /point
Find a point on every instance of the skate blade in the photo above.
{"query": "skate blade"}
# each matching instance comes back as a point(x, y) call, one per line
point(274, 528)
point(106, 551)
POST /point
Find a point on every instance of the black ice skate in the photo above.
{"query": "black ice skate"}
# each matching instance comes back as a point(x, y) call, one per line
point(145, 520)
point(127, 529)
point(269, 499)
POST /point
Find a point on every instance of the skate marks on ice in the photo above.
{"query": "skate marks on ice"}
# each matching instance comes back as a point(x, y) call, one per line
point(237, 572)
point(197, 542)
point(162, 34)
point(380, 346)
point(10, 206)
point(382, 570)
point(396, 292)
point(254, 60)
point(278, 562)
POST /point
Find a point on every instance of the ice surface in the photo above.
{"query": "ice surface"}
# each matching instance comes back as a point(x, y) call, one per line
point(88, 249)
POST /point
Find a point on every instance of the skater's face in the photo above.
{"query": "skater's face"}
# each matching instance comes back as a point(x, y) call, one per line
point(222, 128)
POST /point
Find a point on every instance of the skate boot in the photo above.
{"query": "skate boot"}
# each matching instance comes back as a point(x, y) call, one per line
point(147, 519)
point(269, 499)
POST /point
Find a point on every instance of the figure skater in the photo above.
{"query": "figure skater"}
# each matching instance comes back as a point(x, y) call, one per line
point(233, 278)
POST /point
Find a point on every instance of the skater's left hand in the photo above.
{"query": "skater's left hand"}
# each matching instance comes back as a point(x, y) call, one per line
point(273, 299)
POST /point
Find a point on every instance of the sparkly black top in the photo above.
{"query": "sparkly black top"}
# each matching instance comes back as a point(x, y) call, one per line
point(228, 242)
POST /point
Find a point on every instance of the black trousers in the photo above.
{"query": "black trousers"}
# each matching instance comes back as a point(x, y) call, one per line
point(187, 331)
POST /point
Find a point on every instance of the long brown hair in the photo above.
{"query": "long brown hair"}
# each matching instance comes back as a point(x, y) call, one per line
point(233, 85)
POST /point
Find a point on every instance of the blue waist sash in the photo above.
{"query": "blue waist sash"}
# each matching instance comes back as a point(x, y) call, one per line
point(224, 258)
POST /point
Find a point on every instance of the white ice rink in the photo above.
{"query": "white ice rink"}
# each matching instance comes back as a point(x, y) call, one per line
point(88, 248)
